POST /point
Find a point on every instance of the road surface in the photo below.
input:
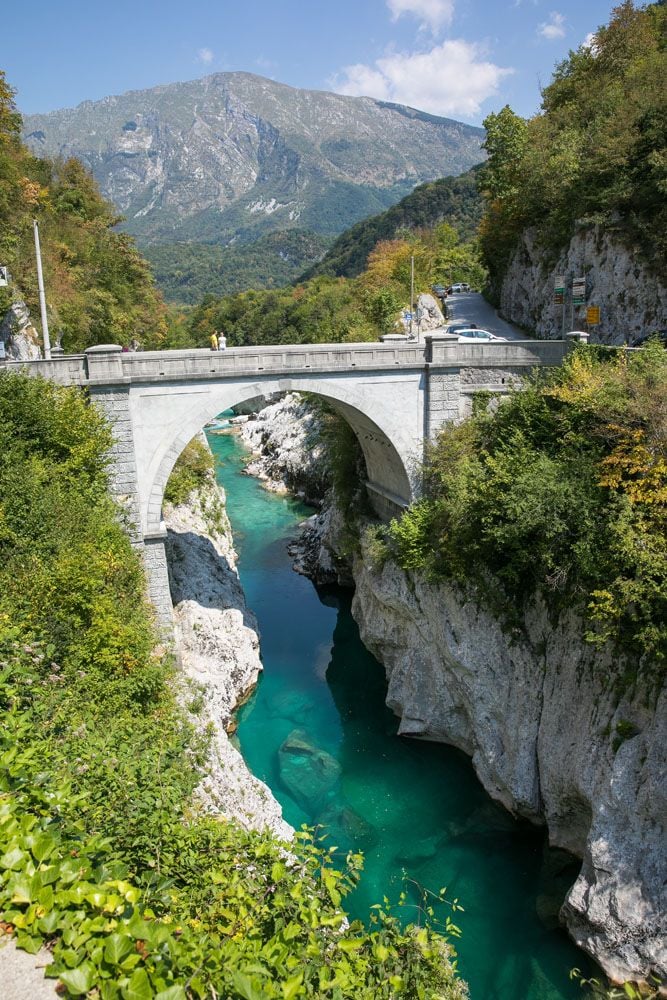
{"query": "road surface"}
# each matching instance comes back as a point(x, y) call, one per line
point(471, 307)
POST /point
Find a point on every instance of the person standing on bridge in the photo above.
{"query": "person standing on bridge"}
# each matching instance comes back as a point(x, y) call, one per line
point(222, 341)
point(214, 341)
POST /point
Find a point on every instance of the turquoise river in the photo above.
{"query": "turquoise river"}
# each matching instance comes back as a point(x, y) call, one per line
point(416, 809)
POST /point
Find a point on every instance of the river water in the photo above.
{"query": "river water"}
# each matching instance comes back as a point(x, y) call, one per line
point(318, 733)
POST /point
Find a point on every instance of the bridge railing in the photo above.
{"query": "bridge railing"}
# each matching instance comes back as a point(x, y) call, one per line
point(108, 364)
point(496, 354)
point(206, 364)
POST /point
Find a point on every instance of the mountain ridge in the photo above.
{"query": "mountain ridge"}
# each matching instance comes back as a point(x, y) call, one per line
point(234, 155)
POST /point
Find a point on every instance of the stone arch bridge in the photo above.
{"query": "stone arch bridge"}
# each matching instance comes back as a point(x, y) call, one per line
point(394, 395)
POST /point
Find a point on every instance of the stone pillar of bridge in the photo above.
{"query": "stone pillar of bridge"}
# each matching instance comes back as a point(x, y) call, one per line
point(115, 404)
point(443, 399)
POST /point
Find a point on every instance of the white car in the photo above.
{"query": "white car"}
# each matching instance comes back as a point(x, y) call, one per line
point(475, 336)
point(460, 286)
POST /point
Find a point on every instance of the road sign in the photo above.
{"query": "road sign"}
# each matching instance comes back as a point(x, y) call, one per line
point(578, 291)
point(4, 276)
point(559, 298)
point(593, 315)
point(559, 284)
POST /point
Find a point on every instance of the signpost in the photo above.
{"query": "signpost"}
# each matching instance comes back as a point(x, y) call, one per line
point(559, 296)
point(4, 276)
point(578, 291)
point(593, 315)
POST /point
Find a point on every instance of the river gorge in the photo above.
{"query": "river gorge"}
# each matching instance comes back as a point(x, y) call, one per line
point(318, 732)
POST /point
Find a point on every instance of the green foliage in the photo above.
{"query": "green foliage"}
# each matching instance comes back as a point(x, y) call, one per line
point(194, 467)
point(99, 289)
point(338, 310)
point(186, 272)
point(103, 854)
point(596, 152)
point(452, 199)
point(562, 489)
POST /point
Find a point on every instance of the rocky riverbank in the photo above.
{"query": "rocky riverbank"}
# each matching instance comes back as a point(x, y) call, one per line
point(218, 646)
point(537, 713)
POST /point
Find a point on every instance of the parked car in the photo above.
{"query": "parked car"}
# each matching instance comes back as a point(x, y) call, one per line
point(471, 335)
point(439, 290)
point(460, 286)
point(455, 327)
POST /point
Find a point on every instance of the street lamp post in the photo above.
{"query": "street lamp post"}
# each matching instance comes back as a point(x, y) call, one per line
point(42, 297)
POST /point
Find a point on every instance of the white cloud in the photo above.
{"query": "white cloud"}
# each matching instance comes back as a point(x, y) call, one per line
point(554, 27)
point(450, 79)
point(204, 56)
point(590, 43)
point(430, 13)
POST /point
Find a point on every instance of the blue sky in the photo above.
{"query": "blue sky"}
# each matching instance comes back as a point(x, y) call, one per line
point(457, 58)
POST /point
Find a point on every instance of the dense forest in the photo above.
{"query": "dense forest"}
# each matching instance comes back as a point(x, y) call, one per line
point(595, 153)
point(455, 200)
point(100, 289)
point(186, 272)
point(333, 310)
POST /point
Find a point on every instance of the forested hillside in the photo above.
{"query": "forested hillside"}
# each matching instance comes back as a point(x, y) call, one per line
point(327, 309)
point(98, 287)
point(596, 152)
point(186, 272)
point(455, 200)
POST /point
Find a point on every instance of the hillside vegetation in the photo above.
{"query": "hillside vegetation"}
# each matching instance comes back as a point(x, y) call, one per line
point(454, 200)
point(561, 490)
point(99, 289)
point(186, 272)
point(103, 852)
point(595, 153)
point(336, 310)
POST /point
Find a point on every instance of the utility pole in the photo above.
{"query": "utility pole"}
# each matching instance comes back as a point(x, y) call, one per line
point(412, 291)
point(42, 297)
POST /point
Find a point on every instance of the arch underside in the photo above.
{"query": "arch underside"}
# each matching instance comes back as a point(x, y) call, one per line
point(389, 450)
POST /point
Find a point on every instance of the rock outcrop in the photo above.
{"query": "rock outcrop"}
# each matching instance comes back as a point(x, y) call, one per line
point(218, 645)
point(549, 738)
point(287, 438)
point(632, 298)
point(20, 337)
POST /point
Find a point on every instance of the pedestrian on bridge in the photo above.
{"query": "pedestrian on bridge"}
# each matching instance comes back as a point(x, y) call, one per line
point(214, 341)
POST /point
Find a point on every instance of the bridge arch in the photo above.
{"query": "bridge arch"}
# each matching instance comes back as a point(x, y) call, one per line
point(388, 448)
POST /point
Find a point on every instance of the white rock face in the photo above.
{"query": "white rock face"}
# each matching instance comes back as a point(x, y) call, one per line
point(219, 650)
point(20, 336)
point(286, 437)
point(539, 723)
point(632, 299)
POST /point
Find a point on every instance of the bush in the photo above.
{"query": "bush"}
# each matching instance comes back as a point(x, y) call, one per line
point(563, 489)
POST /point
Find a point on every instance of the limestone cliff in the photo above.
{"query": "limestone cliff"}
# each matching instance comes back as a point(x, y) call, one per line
point(632, 298)
point(549, 739)
point(218, 646)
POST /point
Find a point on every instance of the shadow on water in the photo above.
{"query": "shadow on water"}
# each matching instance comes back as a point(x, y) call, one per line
point(319, 733)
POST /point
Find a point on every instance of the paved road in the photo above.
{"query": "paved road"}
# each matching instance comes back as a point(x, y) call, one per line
point(471, 307)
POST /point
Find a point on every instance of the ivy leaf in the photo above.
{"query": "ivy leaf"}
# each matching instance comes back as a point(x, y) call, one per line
point(245, 987)
point(80, 980)
point(292, 986)
point(116, 948)
point(173, 993)
point(13, 859)
point(139, 986)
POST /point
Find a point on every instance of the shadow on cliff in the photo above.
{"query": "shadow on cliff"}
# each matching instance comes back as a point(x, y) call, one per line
point(198, 573)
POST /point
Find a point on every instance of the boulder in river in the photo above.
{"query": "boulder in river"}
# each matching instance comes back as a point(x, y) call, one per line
point(307, 771)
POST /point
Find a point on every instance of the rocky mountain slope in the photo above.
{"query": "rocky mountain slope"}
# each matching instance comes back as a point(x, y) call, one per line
point(234, 154)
